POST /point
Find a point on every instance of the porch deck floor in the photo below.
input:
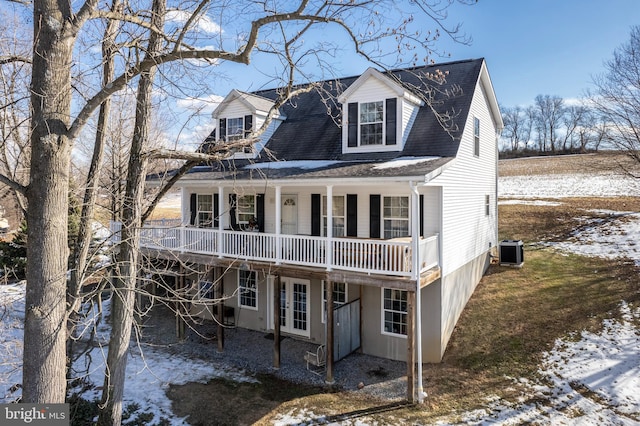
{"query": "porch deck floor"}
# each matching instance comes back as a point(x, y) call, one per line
point(252, 351)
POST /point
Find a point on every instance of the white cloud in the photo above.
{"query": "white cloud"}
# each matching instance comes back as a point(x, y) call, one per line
point(201, 105)
point(203, 22)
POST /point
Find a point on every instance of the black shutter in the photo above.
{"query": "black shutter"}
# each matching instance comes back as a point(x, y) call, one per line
point(248, 125)
point(352, 128)
point(233, 221)
point(391, 128)
point(352, 215)
point(193, 203)
point(421, 215)
point(316, 215)
point(223, 129)
point(374, 216)
point(260, 211)
point(216, 211)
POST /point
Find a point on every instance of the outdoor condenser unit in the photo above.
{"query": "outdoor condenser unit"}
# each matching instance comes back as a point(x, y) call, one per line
point(511, 253)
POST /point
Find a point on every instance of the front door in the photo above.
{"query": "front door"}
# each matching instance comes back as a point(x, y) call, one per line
point(294, 306)
point(290, 214)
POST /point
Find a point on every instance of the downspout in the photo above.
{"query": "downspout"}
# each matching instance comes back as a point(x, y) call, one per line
point(415, 240)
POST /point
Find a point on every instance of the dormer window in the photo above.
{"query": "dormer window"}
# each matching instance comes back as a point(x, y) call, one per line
point(236, 128)
point(372, 123)
point(371, 120)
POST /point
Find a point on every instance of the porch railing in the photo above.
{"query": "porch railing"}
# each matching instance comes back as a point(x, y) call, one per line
point(387, 257)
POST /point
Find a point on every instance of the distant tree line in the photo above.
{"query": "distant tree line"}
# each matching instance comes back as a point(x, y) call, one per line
point(552, 125)
point(608, 116)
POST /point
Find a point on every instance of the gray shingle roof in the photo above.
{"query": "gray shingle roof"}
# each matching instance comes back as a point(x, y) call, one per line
point(310, 131)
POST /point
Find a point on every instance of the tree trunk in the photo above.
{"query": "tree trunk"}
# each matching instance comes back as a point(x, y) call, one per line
point(81, 251)
point(123, 297)
point(47, 250)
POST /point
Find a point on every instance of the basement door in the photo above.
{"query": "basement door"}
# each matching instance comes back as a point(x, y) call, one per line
point(294, 306)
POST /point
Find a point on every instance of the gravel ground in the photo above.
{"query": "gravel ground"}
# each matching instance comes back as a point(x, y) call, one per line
point(252, 352)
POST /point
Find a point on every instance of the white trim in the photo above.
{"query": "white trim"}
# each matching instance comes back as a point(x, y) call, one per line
point(382, 311)
point(240, 305)
point(323, 317)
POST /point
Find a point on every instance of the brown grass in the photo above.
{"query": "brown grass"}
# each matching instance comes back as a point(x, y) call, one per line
point(577, 164)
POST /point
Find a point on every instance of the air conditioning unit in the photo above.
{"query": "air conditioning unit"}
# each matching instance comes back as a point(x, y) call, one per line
point(511, 253)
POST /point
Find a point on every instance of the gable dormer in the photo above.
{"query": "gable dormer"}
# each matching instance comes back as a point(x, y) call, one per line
point(241, 114)
point(377, 114)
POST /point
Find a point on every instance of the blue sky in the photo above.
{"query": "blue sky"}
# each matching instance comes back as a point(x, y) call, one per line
point(551, 47)
point(532, 47)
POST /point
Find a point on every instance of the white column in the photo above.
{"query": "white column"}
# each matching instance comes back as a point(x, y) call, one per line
point(415, 239)
point(329, 235)
point(221, 220)
point(278, 225)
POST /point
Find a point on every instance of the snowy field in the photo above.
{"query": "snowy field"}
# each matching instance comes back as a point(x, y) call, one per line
point(591, 379)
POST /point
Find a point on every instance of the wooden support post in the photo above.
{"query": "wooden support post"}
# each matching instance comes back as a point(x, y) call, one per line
point(276, 321)
point(411, 359)
point(180, 326)
point(219, 289)
point(329, 337)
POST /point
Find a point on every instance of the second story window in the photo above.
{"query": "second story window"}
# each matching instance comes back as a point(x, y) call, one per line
point(372, 125)
point(338, 216)
point(371, 121)
point(205, 211)
point(476, 136)
point(246, 209)
point(395, 216)
point(235, 128)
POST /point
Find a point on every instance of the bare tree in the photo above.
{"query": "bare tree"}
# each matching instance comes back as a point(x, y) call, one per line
point(548, 119)
point(517, 127)
point(617, 95)
point(263, 28)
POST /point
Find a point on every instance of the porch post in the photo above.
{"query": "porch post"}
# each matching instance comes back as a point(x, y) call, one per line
point(221, 220)
point(411, 361)
point(276, 322)
point(218, 288)
point(278, 224)
point(329, 335)
point(415, 266)
point(329, 235)
point(178, 306)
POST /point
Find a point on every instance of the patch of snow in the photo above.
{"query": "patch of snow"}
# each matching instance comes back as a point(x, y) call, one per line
point(298, 164)
point(568, 185)
point(403, 162)
point(11, 337)
point(529, 203)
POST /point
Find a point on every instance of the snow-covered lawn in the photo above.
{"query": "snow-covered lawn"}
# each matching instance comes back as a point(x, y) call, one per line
point(591, 379)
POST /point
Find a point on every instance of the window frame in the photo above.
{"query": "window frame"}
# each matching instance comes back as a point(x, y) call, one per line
point(487, 205)
point(476, 136)
point(205, 290)
point(199, 223)
point(323, 215)
point(245, 213)
point(240, 133)
point(250, 278)
point(384, 219)
point(381, 122)
point(403, 314)
point(344, 292)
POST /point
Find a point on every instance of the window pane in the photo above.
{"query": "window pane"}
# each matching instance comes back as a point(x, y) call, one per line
point(235, 128)
point(395, 311)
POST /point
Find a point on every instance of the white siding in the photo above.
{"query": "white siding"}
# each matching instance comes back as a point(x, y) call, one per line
point(372, 90)
point(235, 109)
point(467, 232)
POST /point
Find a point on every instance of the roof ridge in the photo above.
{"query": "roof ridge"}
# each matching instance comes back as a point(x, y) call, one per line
point(397, 70)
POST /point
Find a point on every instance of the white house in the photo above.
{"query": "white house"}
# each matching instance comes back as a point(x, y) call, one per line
point(356, 187)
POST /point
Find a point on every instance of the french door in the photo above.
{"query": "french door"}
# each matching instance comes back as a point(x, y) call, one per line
point(294, 306)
